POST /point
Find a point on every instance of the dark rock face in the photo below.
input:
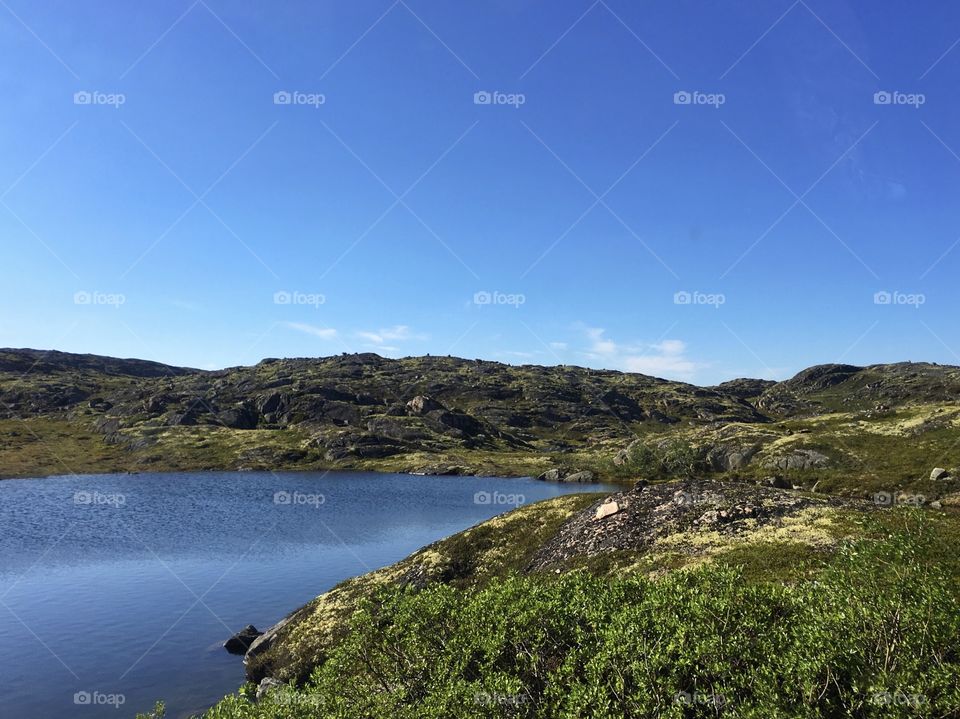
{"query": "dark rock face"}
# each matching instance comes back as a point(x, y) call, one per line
point(240, 642)
point(241, 417)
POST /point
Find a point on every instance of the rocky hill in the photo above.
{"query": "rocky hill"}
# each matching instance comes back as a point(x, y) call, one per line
point(880, 427)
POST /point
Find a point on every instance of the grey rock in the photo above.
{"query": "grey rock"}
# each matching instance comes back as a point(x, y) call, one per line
point(939, 473)
point(606, 509)
point(267, 684)
point(421, 404)
point(798, 459)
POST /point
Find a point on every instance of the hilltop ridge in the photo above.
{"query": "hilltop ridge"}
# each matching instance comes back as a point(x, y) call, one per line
point(878, 426)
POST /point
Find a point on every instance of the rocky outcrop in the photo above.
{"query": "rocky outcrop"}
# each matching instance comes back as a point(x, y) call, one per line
point(649, 513)
point(798, 459)
point(565, 474)
point(421, 404)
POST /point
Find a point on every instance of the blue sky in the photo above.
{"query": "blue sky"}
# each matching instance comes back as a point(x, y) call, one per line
point(693, 190)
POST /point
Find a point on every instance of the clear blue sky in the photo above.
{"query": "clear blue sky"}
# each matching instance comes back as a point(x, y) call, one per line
point(172, 211)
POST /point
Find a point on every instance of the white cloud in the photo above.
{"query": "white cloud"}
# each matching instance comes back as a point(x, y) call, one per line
point(558, 346)
point(599, 345)
point(667, 358)
point(324, 333)
point(397, 333)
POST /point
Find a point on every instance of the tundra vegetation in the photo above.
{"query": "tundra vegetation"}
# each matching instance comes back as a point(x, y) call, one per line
point(778, 549)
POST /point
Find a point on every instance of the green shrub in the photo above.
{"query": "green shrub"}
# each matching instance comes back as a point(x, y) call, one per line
point(666, 459)
point(874, 635)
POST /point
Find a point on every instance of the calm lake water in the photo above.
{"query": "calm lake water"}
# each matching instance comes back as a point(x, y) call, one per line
point(118, 590)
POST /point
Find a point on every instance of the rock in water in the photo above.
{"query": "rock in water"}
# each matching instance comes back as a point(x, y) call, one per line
point(241, 641)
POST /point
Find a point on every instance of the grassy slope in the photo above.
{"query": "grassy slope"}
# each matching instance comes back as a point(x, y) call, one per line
point(487, 554)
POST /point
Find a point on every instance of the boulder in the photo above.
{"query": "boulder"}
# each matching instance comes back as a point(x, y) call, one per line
point(621, 458)
point(777, 483)
point(421, 404)
point(607, 509)
point(265, 685)
point(939, 473)
point(551, 475)
point(240, 642)
point(585, 476)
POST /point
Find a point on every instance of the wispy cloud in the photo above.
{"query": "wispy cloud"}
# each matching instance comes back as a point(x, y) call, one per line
point(397, 333)
point(667, 358)
point(324, 333)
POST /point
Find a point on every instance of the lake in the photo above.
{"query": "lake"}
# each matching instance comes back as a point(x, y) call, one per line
point(118, 590)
